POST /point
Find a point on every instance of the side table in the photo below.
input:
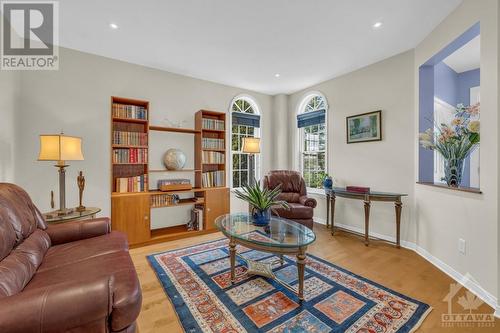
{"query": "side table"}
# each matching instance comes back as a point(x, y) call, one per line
point(88, 213)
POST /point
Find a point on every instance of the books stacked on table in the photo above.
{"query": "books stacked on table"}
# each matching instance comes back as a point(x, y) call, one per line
point(358, 189)
point(174, 184)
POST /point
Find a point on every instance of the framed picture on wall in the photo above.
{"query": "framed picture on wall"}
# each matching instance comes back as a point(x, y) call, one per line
point(364, 127)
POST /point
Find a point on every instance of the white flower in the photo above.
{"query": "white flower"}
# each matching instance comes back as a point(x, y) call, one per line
point(474, 126)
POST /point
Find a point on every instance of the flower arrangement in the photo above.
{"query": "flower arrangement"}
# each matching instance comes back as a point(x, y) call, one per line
point(454, 141)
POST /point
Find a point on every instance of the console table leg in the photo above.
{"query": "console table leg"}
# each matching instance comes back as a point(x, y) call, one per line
point(399, 206)
point(367, 221)
point(332, 202)
point(301, 265)
point(232, 254)
point(327, 210)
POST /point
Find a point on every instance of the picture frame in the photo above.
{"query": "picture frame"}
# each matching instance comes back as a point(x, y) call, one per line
point(364, 127)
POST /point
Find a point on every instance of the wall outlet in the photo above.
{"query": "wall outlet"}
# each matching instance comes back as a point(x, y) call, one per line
point(461, 246)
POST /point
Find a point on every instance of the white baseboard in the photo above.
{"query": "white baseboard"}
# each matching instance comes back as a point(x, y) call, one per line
point(467, 282)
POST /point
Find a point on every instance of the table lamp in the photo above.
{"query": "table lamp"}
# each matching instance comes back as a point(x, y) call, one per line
point(251, 145)
point(60, 148)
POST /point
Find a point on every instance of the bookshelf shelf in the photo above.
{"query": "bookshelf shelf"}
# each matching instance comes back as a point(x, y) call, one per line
point(130, 120)
point(129, 146)
point(182, 202)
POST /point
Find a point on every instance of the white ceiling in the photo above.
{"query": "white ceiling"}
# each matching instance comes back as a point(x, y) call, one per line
point(467, 57)
point(245, 43)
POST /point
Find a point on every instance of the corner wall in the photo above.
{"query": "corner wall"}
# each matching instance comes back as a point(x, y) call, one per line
point(9, 102)
point(386, 165)
point(443, 216)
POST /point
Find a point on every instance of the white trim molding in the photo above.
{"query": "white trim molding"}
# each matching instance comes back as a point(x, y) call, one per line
point(464, 280)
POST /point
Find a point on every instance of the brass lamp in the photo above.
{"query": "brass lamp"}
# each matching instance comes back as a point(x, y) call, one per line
point(60, 148)
point(251, 145)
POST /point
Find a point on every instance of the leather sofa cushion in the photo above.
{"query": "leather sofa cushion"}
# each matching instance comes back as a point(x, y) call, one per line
point(19, 211)
point(83, 262)
point(17, 269)
point(296, 211)
point(7, 235)
point(289, 196)
point(74, 252)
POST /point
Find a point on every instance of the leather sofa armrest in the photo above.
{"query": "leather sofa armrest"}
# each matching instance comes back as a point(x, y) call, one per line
point(306, 201)
point(58, 308)
point(77, 230)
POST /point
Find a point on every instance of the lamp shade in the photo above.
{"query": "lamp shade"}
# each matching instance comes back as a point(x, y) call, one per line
point(60, 147)
point(251, 145)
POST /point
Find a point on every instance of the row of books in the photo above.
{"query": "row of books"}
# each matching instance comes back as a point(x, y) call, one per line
point(210, 143)
point(163, 200)
point(212, 179)
point(130, 155)
point(213, 124)
point(196, 222)
point(131, 184)
point(130, 138)
point(213, 157)
point(129, 111)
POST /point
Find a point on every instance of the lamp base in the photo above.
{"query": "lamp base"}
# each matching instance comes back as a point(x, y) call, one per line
point(64, 212)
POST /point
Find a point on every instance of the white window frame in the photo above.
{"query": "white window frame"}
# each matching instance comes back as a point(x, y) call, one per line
point(257, 134)
point(300, 135)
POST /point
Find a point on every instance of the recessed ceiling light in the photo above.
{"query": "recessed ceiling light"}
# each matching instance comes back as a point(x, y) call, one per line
point(277, 75)
point(377, 25)
point(113, 26)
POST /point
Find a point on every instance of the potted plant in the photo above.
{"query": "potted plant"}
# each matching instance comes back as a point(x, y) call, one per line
point(261, 200)
point(454, 141)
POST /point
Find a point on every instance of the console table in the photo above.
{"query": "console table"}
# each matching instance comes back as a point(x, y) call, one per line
point(332, 194)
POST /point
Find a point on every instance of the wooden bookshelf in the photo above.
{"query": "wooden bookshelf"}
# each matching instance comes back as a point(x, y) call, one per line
point(131, 211)
point(214, 131)
point(125, 118)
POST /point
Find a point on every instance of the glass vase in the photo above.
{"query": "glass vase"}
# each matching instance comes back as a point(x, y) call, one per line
point(453, 170)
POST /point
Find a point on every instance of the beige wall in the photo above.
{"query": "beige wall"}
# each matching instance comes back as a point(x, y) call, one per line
point(76, 99)
point(444, 216)
point(386, 165)
point(9, 98)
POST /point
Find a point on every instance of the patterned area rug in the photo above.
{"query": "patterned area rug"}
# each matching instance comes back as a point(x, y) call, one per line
point(197, 280)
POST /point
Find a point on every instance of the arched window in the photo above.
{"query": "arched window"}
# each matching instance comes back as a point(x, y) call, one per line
point(311, 124)
point(245, 117)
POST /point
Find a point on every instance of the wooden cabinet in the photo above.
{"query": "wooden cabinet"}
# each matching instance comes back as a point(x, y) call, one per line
point(216, 204)
point(131, 214)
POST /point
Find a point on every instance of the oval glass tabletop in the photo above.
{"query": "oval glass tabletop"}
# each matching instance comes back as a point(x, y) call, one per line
point(279, 233)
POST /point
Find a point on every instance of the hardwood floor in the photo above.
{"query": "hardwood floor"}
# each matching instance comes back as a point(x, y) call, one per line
point(401, 270)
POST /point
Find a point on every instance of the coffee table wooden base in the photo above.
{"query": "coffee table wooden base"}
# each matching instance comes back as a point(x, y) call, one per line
point(265, 269)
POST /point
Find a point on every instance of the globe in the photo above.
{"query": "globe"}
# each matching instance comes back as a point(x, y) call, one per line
point(174, 159)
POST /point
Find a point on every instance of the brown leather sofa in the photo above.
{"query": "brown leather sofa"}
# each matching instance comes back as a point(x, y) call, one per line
point(71, 277)
point(293, 191)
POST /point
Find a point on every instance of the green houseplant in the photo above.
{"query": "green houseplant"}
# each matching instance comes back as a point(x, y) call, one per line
point(261, 200)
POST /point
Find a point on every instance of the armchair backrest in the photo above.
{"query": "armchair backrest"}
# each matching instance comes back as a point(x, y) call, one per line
point(23, 241)
point(292, 184)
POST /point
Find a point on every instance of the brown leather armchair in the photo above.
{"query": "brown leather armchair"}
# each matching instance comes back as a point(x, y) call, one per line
point(77, 276)
point(293, 191)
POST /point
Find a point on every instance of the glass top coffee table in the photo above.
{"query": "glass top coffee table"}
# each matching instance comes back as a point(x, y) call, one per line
point(280, 237)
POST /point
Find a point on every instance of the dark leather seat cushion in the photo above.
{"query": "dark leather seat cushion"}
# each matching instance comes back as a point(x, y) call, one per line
point(296, 211)
point(97, 256)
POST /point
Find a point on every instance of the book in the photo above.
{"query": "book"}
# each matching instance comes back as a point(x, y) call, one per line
point(358, 189)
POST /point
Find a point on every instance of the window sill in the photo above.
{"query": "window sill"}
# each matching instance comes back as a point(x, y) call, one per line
point(460, 189)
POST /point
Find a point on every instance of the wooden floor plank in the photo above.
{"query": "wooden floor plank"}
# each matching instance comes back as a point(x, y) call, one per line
point(401, 270)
